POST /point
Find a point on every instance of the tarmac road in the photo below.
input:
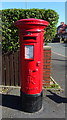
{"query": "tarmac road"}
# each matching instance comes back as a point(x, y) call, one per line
point(59, 59)
point(59, 48)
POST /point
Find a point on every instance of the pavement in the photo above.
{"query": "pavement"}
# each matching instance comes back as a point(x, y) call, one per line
point(53, 105)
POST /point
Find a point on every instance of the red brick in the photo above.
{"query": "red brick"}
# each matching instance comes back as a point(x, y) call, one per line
point(47, 67)
point(47, 70)
point(47, 51)
point(46, 78)
point(46, 64)
point(46, 75)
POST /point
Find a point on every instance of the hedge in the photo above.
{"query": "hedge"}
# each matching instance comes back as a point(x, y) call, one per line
point(10, 38)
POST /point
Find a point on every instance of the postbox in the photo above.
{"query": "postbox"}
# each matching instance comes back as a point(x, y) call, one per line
point(31, 32)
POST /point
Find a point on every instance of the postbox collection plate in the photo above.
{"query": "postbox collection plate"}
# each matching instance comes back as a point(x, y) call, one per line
point(29, 51)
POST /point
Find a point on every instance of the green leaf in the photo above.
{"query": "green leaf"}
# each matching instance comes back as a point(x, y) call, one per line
point(9, 32)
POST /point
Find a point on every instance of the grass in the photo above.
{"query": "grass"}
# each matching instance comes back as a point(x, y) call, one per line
point(53, 85)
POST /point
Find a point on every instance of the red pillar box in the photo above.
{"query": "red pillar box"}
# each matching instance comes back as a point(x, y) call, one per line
point(31, 62)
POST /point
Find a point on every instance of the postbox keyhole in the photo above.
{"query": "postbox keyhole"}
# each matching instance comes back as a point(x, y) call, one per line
point(35, 70)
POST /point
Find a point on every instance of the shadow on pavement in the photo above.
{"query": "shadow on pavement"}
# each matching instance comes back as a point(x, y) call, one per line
point(11, 101)
point(14, 102)
point(56, 98)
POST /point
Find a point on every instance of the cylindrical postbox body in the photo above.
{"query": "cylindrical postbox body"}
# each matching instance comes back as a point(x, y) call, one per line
point(31, 62)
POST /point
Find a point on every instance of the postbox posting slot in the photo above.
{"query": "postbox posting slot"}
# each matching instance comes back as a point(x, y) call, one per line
point(29, 52)
point(28, 38)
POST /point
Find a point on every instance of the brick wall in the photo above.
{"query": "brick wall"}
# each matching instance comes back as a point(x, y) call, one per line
point(46, 66)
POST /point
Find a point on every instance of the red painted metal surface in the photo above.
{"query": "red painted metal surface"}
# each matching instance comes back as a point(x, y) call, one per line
point(31, 54)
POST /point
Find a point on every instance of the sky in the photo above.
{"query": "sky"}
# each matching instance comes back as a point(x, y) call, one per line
point(59, 7)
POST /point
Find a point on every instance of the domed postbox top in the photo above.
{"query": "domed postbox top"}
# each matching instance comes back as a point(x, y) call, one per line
point(26, 23)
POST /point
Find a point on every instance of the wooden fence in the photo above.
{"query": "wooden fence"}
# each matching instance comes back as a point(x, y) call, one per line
point(11, 71)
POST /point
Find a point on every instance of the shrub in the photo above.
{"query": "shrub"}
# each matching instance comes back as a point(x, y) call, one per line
point(10, 38)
